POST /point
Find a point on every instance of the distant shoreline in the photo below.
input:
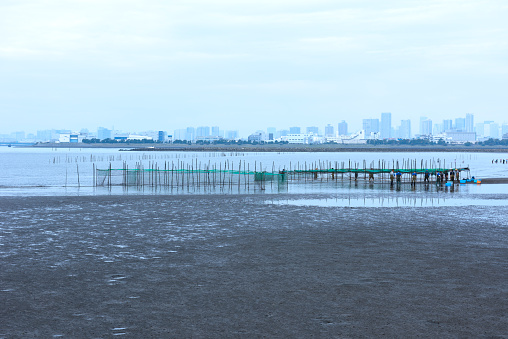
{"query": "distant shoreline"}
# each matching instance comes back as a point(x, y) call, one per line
point(280, 148)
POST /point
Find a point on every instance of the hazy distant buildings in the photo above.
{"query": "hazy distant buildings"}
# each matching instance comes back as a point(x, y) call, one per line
point(404, 131)
point(232, 135)
point(425, 126)
point(447, 125)
point(202, 132)
point(469, 122)
point(294, 130)
point(370, 126)
point(179, 134)
point(386, 125)
point(272, 130)
point(488, 129)
point(460, 124)
point(329, 131)
point(104, 133)
point(342, 128)
point(162, 136)
point(494, 130)
point(255, 137)
point(504, 131)
point(480, 131)
point(460, 137)
point(190, 134)
point(313, 129)
point(299, 138)
point(69, 137)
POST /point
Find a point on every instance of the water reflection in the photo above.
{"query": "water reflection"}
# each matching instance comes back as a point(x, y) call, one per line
point(398, 201)
point(269, 187)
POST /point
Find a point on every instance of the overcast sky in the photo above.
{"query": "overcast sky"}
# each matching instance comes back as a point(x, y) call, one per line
point(247, 65)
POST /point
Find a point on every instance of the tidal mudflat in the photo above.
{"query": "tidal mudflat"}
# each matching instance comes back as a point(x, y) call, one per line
point(244, 266)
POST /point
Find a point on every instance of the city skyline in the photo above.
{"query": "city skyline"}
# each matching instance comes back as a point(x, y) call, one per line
point(460, 129)
point(351, 125)
point(246, 65)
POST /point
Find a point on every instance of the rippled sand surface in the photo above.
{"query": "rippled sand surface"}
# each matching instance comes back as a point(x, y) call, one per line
point(250, 266)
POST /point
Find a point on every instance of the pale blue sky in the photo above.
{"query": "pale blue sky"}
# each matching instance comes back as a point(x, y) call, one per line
point(142, 65)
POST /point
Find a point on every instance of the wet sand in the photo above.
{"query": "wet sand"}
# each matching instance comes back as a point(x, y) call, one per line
point(233, 266)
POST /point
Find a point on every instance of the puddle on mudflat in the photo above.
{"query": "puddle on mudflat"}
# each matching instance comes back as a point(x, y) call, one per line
point(390, 202)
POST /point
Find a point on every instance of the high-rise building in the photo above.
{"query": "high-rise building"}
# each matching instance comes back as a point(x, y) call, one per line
point(190, 134)
point(103, 133)
point(281, 133)
point(469, 122)
point(215, 131)
point(447, 125)
point(342, 128)
point(493, 130)
point(460, 124)
point(294, 130)
point(504, 131)
point(272, 130)
point(329, 131)
point(405, 129)
point(425, 126)
point(202, 132)
point(162, 136)
point(386, 125)
point(232, 135)
point(480, 130)
point(313, 129)
point(370, 126)
point(179, 134)
point(20, 135)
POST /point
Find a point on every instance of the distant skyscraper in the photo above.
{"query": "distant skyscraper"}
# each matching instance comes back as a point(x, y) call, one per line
point(215, 131)
point(19, 135)
point(438, 128)
point(386, 125)
point(342, 128)
point(202, 131)
point(232, 135)
point(447, 125)
point(103, 133)
point(281, 133)
point(425, 126)
point(190, 134)
point(405, 129)
point(272, 130)
point(469, 122)
point(480, 130)
point(494, 130)
point(460, 124)
point(370, 126)
point(179, 134)
point(294, 130)
point(313, 129)
point(504, 131)
point(162, 136)
point(329, 131)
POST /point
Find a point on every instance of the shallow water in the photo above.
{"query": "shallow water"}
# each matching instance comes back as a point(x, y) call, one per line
point(392, 202)
point(46, 172)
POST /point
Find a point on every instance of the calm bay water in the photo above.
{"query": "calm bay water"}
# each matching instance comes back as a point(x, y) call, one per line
point(44, 171)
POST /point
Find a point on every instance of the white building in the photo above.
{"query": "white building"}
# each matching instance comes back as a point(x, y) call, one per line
point(456, 137)
point(299, 138)
point(138, 137)
point(71, 137)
